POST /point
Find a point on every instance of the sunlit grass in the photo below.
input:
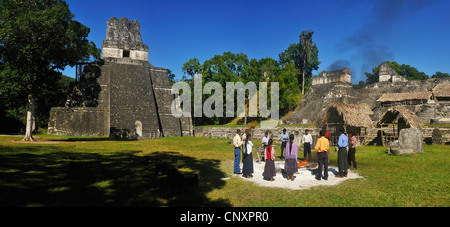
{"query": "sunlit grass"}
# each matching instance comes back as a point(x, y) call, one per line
point(71, 171)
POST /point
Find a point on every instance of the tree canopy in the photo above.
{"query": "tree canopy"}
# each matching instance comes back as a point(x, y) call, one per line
point(293, 71)
point(304, 56)
point(232, 67)
point(440, 75)
point(38, 39)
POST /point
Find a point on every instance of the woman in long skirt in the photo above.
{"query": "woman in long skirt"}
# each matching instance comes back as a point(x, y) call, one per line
point(269, 168)
point(290, 164)
point(247, 157)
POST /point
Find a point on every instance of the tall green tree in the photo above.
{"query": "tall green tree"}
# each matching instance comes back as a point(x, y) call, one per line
point(38, 39)
point(191, 67)
point(228, 67)
point(304, 55)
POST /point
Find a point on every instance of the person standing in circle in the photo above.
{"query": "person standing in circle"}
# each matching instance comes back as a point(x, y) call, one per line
point(247, 159)
point(290, 164)
point(342, 153)
point(307, 141)
point(351, 150)
point(322, 148)
point(237, 143)
point(284, 140)
point(269, 168)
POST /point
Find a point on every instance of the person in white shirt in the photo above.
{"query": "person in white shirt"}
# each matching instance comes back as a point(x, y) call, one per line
point(265, 140)
point(237, 143)
point(244, 136)
point(307, 141)
point(284, 139)
point(247, 159)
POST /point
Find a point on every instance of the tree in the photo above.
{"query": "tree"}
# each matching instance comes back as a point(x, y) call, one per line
point(228, 67)
point(38, 39)
point(171, 76)
point(231, 67)
point(304, 55)
point(191, 67)
point(373, 77)
point(440, 75)
point(290, 93)
point(411, 73)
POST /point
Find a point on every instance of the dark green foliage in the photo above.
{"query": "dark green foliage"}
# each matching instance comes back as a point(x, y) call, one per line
point(304, 55)
point(231, 67)
point(440, 75)
point(38, 39)
point(295, 63)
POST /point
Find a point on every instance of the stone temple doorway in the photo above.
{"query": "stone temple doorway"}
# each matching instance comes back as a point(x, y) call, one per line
point(138, 126)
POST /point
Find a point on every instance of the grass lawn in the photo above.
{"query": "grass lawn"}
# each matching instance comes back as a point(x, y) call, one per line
point(70, 171)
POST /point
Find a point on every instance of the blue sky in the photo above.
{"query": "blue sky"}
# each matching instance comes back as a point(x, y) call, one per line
point(359, 34)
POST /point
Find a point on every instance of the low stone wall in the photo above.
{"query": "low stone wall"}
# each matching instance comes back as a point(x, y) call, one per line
point(258, 133)
point(275, 133)
point(428, 132)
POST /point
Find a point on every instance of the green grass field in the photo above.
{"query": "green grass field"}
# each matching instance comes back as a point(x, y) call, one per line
point(70, 171)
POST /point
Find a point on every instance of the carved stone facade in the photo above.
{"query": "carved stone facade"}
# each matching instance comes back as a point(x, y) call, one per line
point(123, 96)
point(388, 74)
point(123, 40)
point(338, 76)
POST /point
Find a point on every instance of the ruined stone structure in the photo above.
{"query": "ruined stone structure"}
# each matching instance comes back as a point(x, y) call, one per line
point(123, 96)
point(325, 91)
point(410, 142)
point(343, 76)
point(123, 40)
point(388, 74)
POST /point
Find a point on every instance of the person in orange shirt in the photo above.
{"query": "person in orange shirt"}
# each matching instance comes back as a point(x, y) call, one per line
point(322, 147)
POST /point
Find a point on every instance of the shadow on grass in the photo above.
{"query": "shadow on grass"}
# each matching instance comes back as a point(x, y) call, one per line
point(88, 139)
point(30, 177)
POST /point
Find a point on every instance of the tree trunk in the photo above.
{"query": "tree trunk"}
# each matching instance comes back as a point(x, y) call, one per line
point(246, 110)
point(30, 119)
point(303, 82)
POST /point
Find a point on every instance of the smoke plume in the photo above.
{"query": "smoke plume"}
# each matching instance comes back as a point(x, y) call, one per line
point(369, 43)
point(339, 64)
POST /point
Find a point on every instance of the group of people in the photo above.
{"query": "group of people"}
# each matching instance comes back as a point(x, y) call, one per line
point(345, 158)
point(269, 155)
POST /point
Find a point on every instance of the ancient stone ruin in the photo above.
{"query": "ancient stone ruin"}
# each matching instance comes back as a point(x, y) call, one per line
point(410, 142)
point(425, 101)
point(428, 99)
point(388, 74)
point(337, 76)
point(123, 96)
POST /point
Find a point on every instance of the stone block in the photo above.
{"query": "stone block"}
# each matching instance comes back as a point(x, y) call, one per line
point(400, 151)
point(410, 142)
point(436, 136)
